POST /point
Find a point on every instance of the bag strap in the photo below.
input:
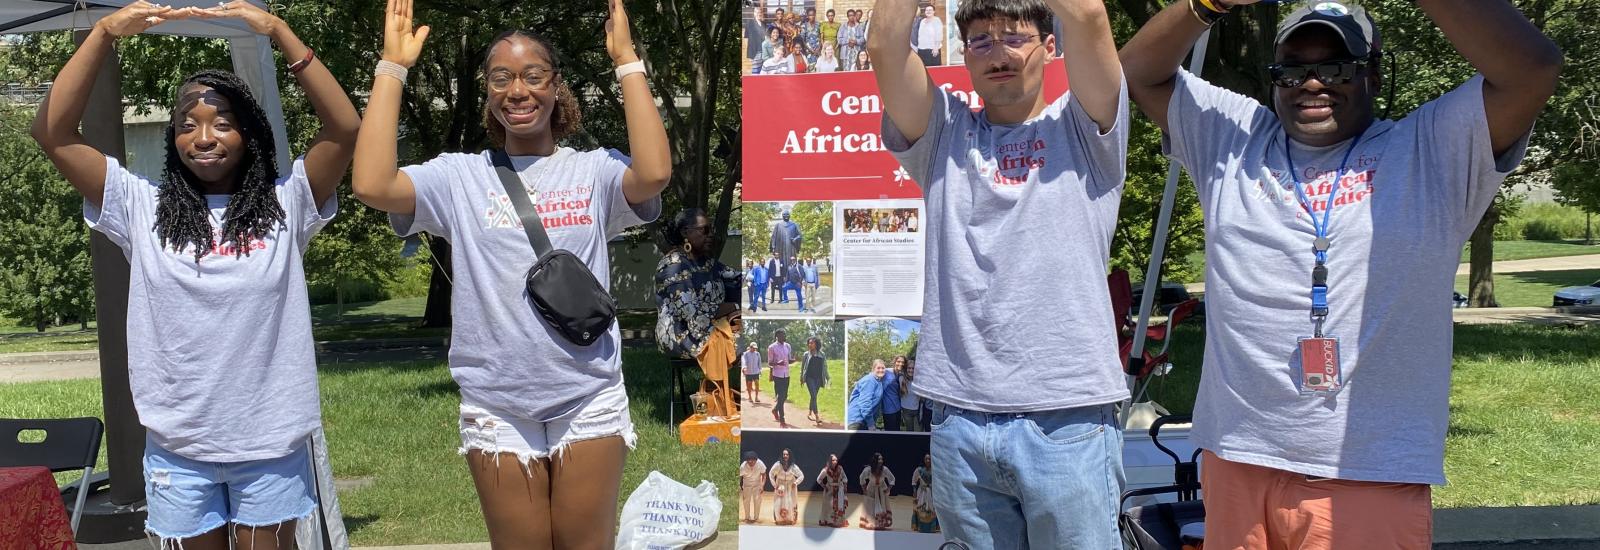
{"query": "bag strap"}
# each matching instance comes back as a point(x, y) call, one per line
point(519, 199)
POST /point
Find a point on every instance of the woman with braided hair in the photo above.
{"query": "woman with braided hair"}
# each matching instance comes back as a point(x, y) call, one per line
point(220, 357)
point(544, 420)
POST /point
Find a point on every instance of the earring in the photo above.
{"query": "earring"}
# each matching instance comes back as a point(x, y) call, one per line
point(688, 247)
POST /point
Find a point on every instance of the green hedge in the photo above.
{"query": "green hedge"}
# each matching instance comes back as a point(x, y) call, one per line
point(1542, 222)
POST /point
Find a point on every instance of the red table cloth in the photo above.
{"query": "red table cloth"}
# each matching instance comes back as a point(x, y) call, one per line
point(32, 515)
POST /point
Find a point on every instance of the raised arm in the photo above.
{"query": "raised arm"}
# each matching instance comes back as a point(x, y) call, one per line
point(1520, 66)
point(1152, 58)
point(55, 126)
point(903, 82)
point(1091, 58)
point(647, 134)
point(334, 145)
point(376, 178)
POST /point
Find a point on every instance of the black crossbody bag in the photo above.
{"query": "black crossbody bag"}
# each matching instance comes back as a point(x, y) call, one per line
point(561, 287)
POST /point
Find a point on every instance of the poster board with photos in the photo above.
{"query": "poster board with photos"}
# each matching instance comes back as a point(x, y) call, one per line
point(821, 193)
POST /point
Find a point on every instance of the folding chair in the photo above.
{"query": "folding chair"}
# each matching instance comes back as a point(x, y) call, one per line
point(69, 444)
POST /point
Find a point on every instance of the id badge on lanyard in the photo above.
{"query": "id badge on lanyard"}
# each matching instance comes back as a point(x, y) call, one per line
point(1321, 372)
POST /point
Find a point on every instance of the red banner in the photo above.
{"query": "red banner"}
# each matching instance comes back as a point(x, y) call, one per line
point(816, 136)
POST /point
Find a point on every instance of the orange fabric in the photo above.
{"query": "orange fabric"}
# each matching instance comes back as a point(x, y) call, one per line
point(1258, 508)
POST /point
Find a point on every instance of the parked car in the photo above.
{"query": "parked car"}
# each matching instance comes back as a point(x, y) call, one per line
point(1578, 295)
point(1168, 296)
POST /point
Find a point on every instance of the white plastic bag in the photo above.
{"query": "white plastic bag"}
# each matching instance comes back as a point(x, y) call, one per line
point(663, 514)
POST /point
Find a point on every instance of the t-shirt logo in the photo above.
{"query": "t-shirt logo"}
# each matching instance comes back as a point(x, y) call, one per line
point(562, 207)
point(220, 249)
point(1332, 9)
point(501, 212)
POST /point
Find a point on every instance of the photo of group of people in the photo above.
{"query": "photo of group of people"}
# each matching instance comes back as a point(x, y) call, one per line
point(798, 36)
point(881, 354)
point(779, 359)
point(837, 481)
point(788, 259)
point(881, 220)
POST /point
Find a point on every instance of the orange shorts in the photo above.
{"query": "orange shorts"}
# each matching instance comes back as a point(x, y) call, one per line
point(1259, 508)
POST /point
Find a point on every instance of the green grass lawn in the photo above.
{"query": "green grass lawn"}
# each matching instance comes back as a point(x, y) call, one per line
point(1533, 288)
point(1523, 423)
point(830, 399)
point(395, 424)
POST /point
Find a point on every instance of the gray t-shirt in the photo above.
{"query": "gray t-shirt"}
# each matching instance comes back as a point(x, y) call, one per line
point(1411, 195)
point(502, 353)
point(220, 357)
point(1016, 315)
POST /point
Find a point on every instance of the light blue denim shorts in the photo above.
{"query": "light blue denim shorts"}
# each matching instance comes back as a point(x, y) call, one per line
point(188, 498)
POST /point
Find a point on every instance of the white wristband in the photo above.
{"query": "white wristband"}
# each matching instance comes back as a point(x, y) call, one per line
point(391, 69)
point(629, 68)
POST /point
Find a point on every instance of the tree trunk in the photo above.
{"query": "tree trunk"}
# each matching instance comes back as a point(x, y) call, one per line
point(437, 313)
point(1481, 278)
point(338, 299)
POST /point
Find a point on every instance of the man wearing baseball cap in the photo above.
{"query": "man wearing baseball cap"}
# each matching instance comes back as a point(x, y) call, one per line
point(1331, 240)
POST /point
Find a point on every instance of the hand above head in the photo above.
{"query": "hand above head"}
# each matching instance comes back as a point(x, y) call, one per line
point(140, 16)
point(402, 43)
point(619, 36)
point(259, 20)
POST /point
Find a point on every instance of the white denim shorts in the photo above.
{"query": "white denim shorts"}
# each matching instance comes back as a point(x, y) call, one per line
point(492, 431)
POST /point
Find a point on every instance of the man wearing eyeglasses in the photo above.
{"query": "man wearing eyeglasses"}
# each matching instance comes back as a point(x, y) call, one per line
point(1021, 371)
point(1332, 238)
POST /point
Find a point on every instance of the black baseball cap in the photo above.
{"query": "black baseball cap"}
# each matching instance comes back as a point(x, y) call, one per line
point(749, 455)
point(1351, 22)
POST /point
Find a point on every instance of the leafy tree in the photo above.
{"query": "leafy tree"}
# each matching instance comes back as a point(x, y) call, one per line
point(687, 44)
point(762, 333)
point(755, 226)
point(816, 226)
point(44, 245)
point(1422, 65)
point(874, 339)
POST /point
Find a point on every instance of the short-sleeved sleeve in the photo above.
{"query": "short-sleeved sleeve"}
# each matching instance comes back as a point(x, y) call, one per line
point(918, 158)
point(432, 183)
point(123, 189)
point(1206, 124)
point(1453, 138)
point(304, 213)
point(1106, 151)
point(620, 215)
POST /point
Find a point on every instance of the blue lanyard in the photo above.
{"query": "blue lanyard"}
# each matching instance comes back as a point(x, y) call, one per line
point(1319, 246)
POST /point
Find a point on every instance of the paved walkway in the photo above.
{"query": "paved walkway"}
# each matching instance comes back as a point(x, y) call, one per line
point(1567, 263)
point(1591, 261)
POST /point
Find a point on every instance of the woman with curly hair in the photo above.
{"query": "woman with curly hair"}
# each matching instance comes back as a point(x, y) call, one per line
point(220, 357)
point(544, 421)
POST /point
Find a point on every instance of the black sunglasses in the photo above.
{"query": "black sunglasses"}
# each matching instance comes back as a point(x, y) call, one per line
point(1293, 75)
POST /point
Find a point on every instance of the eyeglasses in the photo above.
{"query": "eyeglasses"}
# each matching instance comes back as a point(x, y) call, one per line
point(1290, 75)
point(536, 79)
point(982, 44)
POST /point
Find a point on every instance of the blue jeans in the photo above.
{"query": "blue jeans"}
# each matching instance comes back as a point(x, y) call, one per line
point(1047, 479)
point(758, 296)
point(799, 294)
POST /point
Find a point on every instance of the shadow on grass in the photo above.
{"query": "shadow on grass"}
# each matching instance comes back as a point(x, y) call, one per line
point(1462, 431)
point(649, 381)
point(1524, 341)
point(356, 523)
point(1566, 277)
